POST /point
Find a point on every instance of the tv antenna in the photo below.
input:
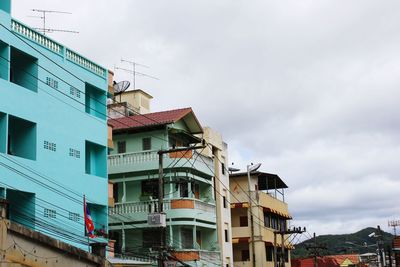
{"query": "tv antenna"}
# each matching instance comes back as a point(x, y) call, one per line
point(134, 72)
point(394, 224)
point(121, 87)
point(45, 30)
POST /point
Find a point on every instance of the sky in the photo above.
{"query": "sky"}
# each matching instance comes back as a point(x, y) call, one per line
point(308, 88)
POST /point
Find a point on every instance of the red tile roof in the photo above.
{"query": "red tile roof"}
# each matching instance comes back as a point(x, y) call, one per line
point(326, 261)
point(150, 119)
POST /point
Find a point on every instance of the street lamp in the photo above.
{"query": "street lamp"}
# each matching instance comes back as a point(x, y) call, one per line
point(251, 168)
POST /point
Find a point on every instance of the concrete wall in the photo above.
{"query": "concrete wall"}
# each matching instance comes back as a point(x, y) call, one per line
point(61, 118)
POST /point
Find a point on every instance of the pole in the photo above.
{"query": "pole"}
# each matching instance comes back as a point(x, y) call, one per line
point(379, 243)
point(160, 206)
point(275, 251)
point(283, 250)
point(251, 219)
point(315, 251)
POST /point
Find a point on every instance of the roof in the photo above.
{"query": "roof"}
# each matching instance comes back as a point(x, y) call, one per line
point(155, 119)
point(265, 180)
point(326, 261)
point(138, 91)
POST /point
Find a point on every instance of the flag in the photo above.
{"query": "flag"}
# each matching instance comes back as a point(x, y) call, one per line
point(89, 226)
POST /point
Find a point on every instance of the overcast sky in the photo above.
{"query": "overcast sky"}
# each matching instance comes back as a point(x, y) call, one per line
point(308, 88)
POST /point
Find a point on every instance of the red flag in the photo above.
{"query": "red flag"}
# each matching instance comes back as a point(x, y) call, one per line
point(89, 226)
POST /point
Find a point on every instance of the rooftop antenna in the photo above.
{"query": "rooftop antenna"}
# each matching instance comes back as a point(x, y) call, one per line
point(134, 72)
point(394, 224)
point(45, 30)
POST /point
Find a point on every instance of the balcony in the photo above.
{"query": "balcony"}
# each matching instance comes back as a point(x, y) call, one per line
point(148, 160)
point(212, 258)
point(175, 208)
point(238, 232)
point(242, 264)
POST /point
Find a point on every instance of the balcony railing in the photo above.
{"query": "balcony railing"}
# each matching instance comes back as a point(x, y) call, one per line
point(57, 48)
point(152, 206)
point(200, 162)
point(141, 206)
point(132, 158)
point(213, 258)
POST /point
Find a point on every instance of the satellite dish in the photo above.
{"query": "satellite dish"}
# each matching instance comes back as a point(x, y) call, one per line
point(121, 87)
point(110, 101)
point(253, 168)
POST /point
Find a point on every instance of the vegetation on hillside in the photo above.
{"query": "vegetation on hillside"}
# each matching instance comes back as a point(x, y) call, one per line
point(359, 242)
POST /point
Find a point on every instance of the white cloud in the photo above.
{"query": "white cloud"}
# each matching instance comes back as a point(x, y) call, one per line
point(309, 88)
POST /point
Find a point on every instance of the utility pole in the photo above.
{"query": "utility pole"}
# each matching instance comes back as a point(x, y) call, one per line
point(315, 249)
point(251, 168)
point(160, 210)
point(380, 247)
point(282, 233)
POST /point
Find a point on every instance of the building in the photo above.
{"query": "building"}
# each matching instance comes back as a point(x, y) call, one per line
point(346, 260)
point(218, 150)
point(21, 246)
point(189, 199)
point(270, 215)
point(53, 133)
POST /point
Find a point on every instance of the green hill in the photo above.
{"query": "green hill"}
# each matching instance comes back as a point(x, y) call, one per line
point(358, 242)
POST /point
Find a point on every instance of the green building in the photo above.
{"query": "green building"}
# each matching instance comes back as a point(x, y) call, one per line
point(189, 198)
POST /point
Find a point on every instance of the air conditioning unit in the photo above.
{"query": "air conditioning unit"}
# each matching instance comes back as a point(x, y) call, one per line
point(157, 219)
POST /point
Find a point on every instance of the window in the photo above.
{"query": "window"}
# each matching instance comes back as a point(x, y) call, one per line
point(224, 201)
point(23, 70)
point(146, 143)
point(4, 58)
point(269, 252)
point(74, 217)
point(245, 255)
point(187, 238)
point(198, 238)
point(244, 221)
point(121, 147)
point(226, 235)
point(21, 138)
point(184, 190)
point(95, 101)
point(95, 159)
point(267, 220)
point(3, 133)
point(196, 190)
point(223, 168)
point(48, 213)
point(150, 238)
point(150, 188)
point(74, 153)
point(50, 146)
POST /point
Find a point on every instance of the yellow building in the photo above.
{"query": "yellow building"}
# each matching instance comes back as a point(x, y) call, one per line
point(269, 213)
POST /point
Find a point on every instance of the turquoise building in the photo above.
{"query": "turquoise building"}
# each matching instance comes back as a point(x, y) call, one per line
point(189, 196)
point(53, 133)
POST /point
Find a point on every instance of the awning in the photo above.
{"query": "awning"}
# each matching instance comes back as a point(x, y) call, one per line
point(239, 205)
point(279, 213)
point(240, 240)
